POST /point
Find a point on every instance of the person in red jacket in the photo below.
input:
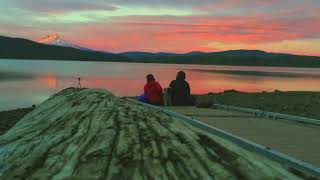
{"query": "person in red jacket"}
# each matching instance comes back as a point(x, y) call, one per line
point(153, 91)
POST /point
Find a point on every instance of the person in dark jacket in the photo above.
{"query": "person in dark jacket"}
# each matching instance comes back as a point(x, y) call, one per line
point(180, 91)
point(153, 91)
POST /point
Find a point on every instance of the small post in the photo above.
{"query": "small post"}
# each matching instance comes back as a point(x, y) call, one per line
point(164, 96)
point(79, 82)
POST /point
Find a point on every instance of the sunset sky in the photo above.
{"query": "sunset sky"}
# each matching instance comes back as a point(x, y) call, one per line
point(290, 26)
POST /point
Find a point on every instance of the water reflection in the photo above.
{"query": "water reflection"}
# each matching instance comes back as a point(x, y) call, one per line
point(14, 76)
point(49, 81)
point(262, 73)
point(23, 83)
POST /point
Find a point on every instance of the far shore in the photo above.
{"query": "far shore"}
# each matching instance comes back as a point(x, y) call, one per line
point(298, 103)
point(171, 63)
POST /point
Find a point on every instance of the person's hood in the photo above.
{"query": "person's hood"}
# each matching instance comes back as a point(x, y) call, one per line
point(181, 76)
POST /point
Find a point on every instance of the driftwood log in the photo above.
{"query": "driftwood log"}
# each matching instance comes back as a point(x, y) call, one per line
point(91, 134)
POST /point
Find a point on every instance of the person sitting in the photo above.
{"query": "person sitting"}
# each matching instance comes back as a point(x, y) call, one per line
point(180, 91)
point(153, 91)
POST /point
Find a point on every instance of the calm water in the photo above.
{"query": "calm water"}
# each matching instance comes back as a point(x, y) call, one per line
point(24, 82)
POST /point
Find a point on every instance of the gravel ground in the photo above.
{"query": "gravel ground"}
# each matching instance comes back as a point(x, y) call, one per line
point(305, 104)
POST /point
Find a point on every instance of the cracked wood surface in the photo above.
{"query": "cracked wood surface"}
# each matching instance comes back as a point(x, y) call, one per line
point(91, 134)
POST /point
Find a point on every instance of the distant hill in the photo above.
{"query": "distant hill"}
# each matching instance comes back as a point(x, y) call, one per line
point(256, 53)
point(139, 55)
point(232, 58)
point(17, 48)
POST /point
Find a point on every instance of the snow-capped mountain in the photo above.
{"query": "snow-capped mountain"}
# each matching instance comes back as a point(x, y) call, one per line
point(54, 39)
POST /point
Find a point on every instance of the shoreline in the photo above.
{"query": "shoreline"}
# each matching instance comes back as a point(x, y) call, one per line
point(165, 63)
point(10, 117)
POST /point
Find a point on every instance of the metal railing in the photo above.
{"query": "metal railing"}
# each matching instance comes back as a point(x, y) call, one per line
point(267, 114)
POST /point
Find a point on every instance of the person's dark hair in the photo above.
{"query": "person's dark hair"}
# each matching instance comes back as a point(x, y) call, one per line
point(181, 75)
point(150, 78)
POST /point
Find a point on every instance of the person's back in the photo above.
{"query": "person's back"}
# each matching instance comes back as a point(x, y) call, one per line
point(180, 91)
point(153, 91)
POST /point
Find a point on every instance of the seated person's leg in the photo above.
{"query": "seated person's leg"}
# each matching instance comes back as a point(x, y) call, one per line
point(143, 98)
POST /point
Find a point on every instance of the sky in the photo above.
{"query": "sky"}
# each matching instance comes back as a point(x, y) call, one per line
point(288, 26)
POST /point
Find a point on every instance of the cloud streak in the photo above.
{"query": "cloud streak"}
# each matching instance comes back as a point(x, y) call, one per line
point(59, 6)
point(169, 25)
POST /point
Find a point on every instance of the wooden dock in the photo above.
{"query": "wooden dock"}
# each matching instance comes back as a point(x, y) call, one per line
point(298, 140)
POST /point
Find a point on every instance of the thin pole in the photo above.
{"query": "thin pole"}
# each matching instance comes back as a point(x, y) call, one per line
point(79, 82)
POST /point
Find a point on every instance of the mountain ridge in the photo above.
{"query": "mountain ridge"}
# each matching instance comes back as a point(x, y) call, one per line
point(236, 52)
point(56, 40)
point(19, 48)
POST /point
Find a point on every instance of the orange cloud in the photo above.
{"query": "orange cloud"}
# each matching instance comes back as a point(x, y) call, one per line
point(177, 34)
point(268, 24)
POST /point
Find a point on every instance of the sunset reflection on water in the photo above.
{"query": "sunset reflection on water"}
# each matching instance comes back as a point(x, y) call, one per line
point(200, 82)
point(50, 81)
point(35, 81)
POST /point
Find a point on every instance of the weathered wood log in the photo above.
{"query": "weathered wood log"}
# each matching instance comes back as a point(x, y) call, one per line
point(91, 134)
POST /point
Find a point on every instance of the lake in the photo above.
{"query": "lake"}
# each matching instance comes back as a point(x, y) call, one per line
point(27, 82)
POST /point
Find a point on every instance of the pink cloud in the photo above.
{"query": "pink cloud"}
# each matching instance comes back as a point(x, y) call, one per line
point(176, 34)
point(184, 33)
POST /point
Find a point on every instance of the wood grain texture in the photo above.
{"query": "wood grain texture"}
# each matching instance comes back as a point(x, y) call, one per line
point(91, 134)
